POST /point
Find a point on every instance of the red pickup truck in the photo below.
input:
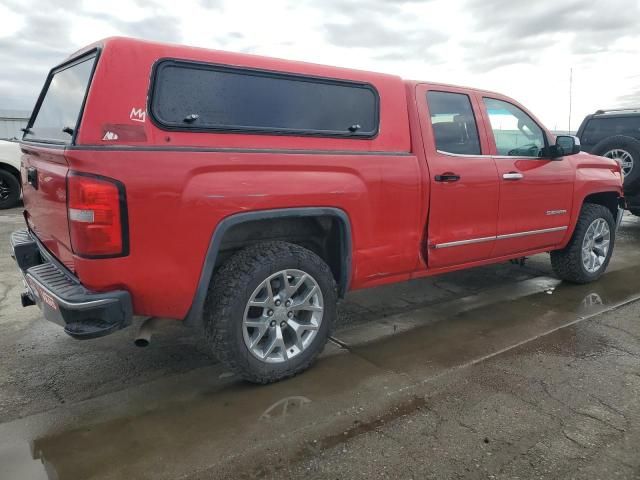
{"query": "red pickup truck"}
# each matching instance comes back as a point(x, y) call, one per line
point(245, 195)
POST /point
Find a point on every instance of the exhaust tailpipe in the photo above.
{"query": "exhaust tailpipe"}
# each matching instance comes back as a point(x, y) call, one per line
point(143, 339)
point(26, 299)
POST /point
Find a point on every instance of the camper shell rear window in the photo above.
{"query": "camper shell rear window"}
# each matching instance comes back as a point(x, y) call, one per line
point(192, 96)
point(57, 114)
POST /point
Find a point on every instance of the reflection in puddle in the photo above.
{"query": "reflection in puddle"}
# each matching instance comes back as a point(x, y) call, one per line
point(285, 407)
point(590, 301)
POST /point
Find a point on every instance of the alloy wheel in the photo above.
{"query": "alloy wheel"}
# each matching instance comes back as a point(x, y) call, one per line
point(595, 246)
point(282, 316)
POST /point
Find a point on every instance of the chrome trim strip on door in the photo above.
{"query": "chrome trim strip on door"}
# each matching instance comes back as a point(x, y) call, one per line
point(520, 157)
point(442, 152)
point(459, 243)
point(531, 232)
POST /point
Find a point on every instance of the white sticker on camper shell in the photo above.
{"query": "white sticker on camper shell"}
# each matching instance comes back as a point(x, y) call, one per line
point(110, 136)
point(138, 115)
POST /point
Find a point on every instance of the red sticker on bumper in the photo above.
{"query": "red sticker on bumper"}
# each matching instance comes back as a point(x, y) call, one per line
point(48, 299)
point(44, 296)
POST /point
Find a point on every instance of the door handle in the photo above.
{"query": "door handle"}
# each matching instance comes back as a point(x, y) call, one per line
point(512, 176)
point(447, 177)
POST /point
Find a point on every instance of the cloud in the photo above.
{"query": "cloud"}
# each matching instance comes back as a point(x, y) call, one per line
point(381, 24)
point(507, 32)
point(27, 56)
point(211, 4)
point(161, 28)
point(45, 41)
point(352, 9)
point(630, 99)
point(388, 31)
point(371, 33)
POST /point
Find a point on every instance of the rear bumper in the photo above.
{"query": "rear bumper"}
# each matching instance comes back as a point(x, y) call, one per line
point(62, 298)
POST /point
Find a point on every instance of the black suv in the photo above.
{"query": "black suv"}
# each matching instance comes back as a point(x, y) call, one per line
point(616, 134)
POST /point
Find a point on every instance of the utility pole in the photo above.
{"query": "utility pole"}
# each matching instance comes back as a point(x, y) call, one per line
point(570, 95)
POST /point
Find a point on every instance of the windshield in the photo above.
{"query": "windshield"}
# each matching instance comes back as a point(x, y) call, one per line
point(58, 115)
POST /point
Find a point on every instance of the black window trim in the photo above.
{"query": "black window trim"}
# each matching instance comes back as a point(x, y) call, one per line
point(84, 56)
point(475, 120)
point(181, 127)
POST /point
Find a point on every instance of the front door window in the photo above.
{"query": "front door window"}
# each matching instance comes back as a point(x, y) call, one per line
point(515, 132)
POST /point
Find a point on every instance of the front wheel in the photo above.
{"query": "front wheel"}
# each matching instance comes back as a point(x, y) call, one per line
point(270, 311)
point(587, 255)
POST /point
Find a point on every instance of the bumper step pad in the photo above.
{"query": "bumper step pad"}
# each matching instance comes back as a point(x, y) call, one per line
point(24, 249)
point(63, 299)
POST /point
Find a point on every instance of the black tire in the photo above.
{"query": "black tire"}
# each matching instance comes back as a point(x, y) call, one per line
point(635, 212)
point(9, 190)
point(628, 144)
point(231, 289)
point(567, 263)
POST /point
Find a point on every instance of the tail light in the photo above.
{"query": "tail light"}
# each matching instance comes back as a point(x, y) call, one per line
point(96, 207)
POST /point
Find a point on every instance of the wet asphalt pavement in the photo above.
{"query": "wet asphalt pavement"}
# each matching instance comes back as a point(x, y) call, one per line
point(496, 372)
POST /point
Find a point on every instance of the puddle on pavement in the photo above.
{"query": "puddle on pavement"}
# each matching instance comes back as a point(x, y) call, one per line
point(467, 335)
point(213, 427)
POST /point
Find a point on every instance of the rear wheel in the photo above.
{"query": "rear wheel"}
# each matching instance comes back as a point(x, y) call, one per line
point(270, 311)
point(9, 190)
point(587, 255)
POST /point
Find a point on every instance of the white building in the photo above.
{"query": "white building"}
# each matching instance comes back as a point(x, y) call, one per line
point(11, 121)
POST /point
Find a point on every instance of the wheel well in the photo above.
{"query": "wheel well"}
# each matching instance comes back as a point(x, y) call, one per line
point(325, 235)
point(611, 200)
point(11, 169)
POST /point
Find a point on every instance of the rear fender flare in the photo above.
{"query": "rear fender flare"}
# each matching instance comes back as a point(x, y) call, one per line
point(194, 315)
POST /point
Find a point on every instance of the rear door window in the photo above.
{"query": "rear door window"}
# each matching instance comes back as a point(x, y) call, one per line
point(453, 123)
point(194, 96)
point(58, 114)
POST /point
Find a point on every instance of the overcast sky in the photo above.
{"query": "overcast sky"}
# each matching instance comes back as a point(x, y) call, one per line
point(522, 49)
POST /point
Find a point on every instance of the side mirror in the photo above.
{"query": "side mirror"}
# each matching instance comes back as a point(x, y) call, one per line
point(565, 145)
